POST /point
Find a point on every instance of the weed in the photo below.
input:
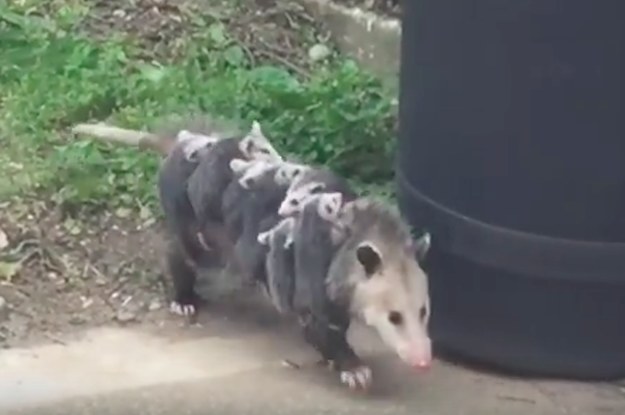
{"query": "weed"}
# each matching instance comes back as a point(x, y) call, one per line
point(52, 77)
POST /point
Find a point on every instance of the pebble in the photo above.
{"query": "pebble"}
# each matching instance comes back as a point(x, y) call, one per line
point(77, 320)
point(125, 316)
point(318, 52)
point(155, 305)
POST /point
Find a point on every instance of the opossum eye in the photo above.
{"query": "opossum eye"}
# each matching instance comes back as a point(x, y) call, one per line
point(395, 318)
point(422, 313)
point(293, 202)
point(264, 150)
point(318, 188)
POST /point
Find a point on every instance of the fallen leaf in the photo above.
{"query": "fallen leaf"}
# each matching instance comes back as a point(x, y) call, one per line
point(9, 269)
point(123, 212)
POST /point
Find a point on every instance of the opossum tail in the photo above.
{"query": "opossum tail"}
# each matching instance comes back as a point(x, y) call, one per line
point(141, 139)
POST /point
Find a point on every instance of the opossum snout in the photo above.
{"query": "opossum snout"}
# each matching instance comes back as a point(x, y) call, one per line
point(418, 357)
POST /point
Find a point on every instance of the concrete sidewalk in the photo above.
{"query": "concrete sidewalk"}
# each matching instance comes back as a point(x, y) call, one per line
point(127, 371)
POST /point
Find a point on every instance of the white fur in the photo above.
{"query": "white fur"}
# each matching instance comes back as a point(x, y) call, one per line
point(182, 310)
point(256, 146)
point(254, 171)
point(288, 172)
point(193, 142)
point(285, 226)
point(329, 206)
point(359, 377)
point(239, 166)
point(296, 198)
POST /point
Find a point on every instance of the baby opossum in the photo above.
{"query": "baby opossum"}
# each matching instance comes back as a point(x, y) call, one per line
point(315, 180)
point(250, 175)
point(280, 264)
point(374, 276)
point(265, 188)
point(317, 235)
point(212, 176)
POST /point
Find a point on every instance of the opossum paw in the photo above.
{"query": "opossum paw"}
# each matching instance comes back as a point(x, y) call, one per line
point(182, 309)
point(357, 378)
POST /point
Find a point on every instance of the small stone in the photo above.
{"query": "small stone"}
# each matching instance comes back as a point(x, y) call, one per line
point(155, 305)
point(125, 316)
point(77, 320)
point(318, 52)
point(119, 13)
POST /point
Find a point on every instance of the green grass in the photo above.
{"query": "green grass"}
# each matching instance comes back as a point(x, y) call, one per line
point(51, 78)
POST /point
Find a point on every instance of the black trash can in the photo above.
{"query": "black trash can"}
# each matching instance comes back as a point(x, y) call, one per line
point(512, 154)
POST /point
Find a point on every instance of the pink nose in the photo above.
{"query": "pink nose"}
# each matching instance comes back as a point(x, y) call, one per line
point(422, 365)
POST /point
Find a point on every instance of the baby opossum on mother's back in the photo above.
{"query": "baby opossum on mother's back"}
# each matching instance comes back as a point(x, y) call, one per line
point(264, 189)
point(314, 181)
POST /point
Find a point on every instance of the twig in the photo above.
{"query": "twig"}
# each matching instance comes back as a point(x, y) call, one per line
point(516, 399)
point(54, 339)
point(286, 62)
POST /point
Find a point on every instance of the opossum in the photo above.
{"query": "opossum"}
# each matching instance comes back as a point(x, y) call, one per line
point(213, 174)
point(313, 181)
point(194, 144)
point(248, 176)
point(375, 277)
point(280, 264)
point(266, 188)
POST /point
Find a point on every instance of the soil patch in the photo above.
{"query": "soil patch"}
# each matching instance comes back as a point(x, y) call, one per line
point(269, 31)
point(390, 8)
point(75, 274)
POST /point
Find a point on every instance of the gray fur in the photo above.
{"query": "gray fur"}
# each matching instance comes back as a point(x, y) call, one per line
point(259, 214)
point(280, 265)
point(314, 248)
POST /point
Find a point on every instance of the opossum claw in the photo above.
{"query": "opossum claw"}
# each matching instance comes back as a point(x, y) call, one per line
point(202, 242)
point(182, 309)
point(359, 377)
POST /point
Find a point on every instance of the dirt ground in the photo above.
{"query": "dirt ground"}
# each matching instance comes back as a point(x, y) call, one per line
point(275, 31)
point(385, 7)
point(99, 270)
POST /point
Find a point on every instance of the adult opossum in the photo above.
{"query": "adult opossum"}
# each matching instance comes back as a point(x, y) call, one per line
point(313, 181)
point(374, 276)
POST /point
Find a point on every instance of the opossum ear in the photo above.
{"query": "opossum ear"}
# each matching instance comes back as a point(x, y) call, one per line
point(422, 246)
point(369, 257)
point(256, 130)
point(317, 188)
point(239, 165)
